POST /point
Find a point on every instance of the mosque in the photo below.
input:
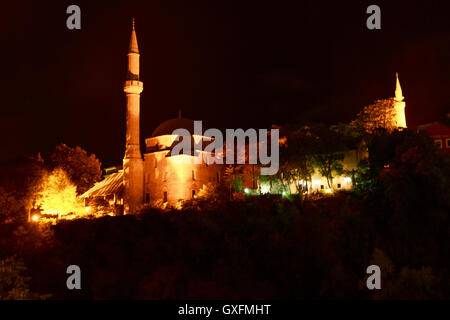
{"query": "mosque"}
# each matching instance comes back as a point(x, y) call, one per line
point(158, 177)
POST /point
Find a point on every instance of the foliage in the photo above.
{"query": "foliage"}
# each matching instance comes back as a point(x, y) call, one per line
point(313, 147)
point(329, 164)
point(233, 177)
point(409, 283)
point(11, 208)
point(380, 114)
point(13, 284)
point(210, 196)
point(19, 182)
point(265, 247)
point(298, 162)
point(327, 152)
point(83, 169)
point(207, 191)
point(57, 195)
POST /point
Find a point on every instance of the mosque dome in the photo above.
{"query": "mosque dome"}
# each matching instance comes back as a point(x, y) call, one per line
point(168, 126)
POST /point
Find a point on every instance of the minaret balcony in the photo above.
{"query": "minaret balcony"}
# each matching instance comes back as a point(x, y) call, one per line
point(133, 86)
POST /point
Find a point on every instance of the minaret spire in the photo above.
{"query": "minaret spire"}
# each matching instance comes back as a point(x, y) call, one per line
point(399, 105)
point(133, 39)
point(398, 89)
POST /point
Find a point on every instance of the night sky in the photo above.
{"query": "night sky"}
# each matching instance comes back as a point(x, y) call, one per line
point(224, 62)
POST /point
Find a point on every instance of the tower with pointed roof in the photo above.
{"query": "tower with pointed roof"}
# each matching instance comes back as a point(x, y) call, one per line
point(133, 175)
point(399, 105)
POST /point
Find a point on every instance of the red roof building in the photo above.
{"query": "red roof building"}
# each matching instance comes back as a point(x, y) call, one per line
point(439, 132)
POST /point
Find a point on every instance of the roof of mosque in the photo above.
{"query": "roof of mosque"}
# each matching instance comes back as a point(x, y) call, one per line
point(112, 184)
point(168, 126)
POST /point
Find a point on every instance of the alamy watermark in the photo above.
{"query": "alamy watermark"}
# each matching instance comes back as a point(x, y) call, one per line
point(213, 151)
point(374, 20)
point(74, 20)
point(74, 280)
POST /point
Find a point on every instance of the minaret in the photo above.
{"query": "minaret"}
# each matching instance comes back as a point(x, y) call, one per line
point(132, 163)
point(399, 105)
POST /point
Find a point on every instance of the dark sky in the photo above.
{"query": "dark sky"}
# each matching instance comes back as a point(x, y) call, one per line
point(229, 63)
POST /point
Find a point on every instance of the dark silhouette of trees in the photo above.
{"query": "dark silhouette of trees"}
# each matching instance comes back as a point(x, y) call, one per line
point(14, 285)
point(260, 247)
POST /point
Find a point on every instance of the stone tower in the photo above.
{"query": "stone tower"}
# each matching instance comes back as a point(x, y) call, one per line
point(133, 178)
point(399, 105)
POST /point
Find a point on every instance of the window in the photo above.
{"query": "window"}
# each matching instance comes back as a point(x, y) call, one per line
point(439, 143)
point(193, 175)
point(339, 185)
point(322, 186)
point(147, 198)
point(217, 177)
point(447, 142)
point(193, 194)
point(156, 163)
point(165, 197)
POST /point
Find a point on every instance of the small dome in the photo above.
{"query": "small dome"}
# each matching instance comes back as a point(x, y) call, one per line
point(168, 126)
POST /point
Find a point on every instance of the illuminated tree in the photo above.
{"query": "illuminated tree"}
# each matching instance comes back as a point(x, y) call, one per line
point(83, 169)
point(326, 146)
point(57, 195)
point(298, 165)
point(380, 114)
point(207, 191)
point(329, 164)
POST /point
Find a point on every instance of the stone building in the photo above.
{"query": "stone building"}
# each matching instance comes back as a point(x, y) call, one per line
point(170, 179)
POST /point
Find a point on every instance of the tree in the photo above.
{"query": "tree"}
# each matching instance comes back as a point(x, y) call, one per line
point(18, 181)
point(329, 164)
point(233, 177)
point(298, 165)
point(408, 283)
point(82, 169)
point(57, 195)
point(13, 284)
point(417, 185)
point(10, 206)
point(380, 114)
point(326, 147)
point(313, 146)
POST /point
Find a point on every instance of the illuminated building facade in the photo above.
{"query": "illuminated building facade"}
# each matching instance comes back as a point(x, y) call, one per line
point(170, 179)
